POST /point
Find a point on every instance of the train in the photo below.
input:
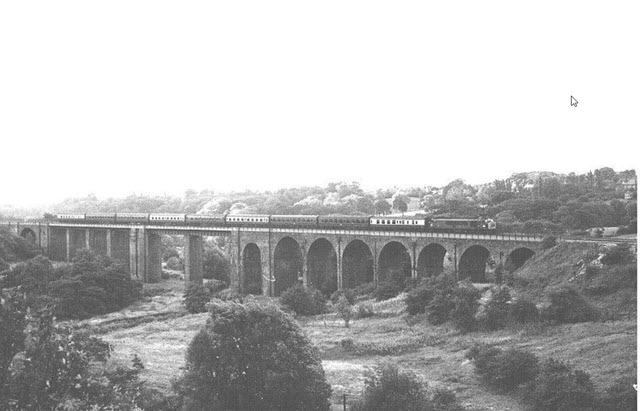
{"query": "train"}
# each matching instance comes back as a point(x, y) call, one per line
point(466, 225)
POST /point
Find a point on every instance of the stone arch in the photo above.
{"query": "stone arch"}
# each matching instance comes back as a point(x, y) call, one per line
point(517, 258)
point(431, 260)
point(251, 269)
point(394, 259)
point(322, 267)
point(288, 264)
point(29, 235)
point(473, 264)
point(357, 264)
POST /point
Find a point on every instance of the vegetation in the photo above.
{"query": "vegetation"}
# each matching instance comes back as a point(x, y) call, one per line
point(568, 306)
point(196, 296)
point(15, 248)
point(389, 388)
point(344, 310)
point(303, 300)
point(252, 357)
point(558, 387)
point(44, 366)
point(91, 285)
point(503, 370)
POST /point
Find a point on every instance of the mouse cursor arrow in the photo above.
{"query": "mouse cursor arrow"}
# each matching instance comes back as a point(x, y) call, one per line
point(574, 102)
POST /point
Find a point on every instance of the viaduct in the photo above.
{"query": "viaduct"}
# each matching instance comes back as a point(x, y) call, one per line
point(268, 260)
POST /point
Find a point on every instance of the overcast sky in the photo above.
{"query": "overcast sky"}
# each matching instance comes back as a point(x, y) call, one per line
point(115, 97)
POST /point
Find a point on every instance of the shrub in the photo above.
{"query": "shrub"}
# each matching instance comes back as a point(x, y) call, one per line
point(434, 296)
point(621, 395)
point(389, 388)
point(548, 242)
point(444, 399)
point(503, 370)
point(215, 286)
point(364, 290)
point(418, 298)
point(387, 290)
point(620, 254)
point(364, 310)
point(568, 306)
point(344, 310)
point(523, 311)
point(229, 295)
point(465, 305)
point(252, 357)
point(175, 263)
point(558, 387)
point(348, 294)
point(496, 310)
point(303, 300)
point(196, 296)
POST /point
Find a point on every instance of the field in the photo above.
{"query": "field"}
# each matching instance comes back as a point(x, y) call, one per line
point(159, 330)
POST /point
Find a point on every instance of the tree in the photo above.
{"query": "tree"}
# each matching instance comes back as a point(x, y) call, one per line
point(252, 356)
point(400, 204)
point(382, 206)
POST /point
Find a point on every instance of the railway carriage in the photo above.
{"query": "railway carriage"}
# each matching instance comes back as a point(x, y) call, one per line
point(306, 221)
point(246, 220)
point(204, 219)
point(395, 223)
point(167, 218)
point(136, 218)
point(97, 218)
point(343, 221)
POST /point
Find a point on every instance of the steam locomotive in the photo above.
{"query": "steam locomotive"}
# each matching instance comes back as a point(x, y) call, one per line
point(467, 225)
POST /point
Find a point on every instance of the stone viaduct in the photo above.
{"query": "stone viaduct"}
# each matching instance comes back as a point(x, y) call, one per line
point(269, 260)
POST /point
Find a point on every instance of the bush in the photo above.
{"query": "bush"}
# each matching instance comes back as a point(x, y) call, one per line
point(523, 311)
point(303, 300)
point(620, 254)
point(444, 399)
point(433, 295)
point(389, 388)
point(503, 370)
point(568, 306)
point(252, 357)
point(215, 286)
point(348, 294)
point(387, 290)
point(496, 310)
point(196, 297)
point(465, 305)
point(91, 285)
point(364, 310)
point(175, 263)
point(229, 295)
point(548, 242)
point(215, 264)
point(558, 387)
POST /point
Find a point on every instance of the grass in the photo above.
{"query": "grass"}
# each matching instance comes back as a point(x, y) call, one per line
point(159, 330)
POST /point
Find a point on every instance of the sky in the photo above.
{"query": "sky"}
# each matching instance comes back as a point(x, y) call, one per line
point(122, 97)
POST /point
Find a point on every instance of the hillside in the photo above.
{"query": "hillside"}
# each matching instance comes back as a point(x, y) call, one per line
point(611, 287)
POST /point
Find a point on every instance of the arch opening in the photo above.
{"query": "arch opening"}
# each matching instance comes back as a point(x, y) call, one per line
point(394, 263)
point(29, 235)
point(517, 258)
point(252, 269)
point(357, 264)
point(288, 264)
point(473, 264)
point(431, 260)
point(322, 267)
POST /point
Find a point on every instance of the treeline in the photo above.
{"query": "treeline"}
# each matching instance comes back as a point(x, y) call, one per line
point(530, 202)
